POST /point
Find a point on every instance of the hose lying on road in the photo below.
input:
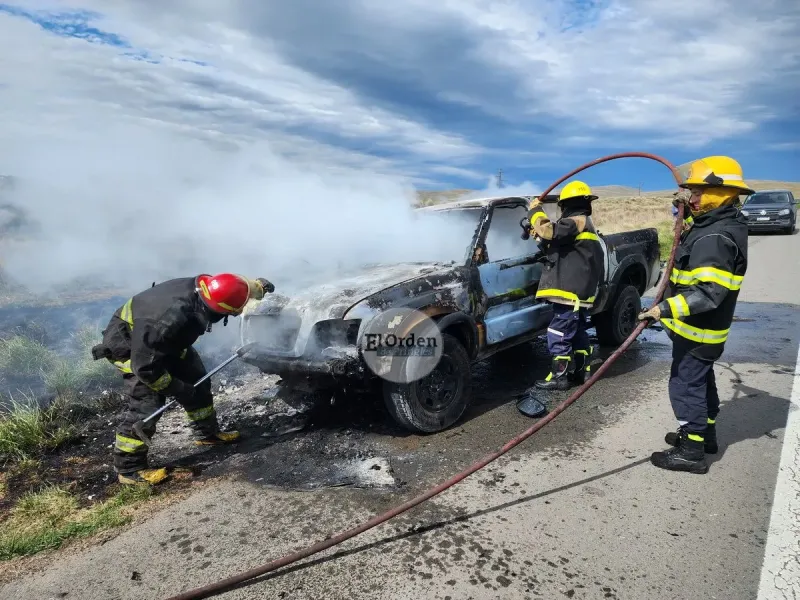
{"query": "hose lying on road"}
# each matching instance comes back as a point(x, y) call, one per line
point(224, 584)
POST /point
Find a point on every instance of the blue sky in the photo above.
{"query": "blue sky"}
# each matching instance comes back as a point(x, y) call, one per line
point(445, 93)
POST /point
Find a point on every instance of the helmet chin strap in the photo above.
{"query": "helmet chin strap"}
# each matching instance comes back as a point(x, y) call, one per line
point(212, 316)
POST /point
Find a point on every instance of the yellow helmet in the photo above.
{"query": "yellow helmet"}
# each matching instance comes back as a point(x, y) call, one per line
point(576, 189)
point(714, 172)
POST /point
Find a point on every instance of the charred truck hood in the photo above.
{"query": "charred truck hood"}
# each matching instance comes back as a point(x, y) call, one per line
point(317, 330)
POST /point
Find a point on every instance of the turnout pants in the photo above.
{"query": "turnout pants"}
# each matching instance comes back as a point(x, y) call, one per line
point(566, 334)
point(130, 452)
point(693, 391)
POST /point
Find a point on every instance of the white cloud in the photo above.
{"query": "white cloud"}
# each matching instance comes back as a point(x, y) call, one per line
point(679, 73)
point(690, 68)
point(246, 92)
point(301, 133)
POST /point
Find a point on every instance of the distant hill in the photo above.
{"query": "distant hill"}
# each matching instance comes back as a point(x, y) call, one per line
point(611, 191)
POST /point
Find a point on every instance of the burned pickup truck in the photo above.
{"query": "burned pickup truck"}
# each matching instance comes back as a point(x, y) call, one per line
point(483, 304)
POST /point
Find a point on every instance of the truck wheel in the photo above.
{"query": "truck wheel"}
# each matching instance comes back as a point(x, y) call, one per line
point(614, 326)
point(438, 400)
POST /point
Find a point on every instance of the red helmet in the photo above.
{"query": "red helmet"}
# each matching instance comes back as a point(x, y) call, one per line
point(225, 293)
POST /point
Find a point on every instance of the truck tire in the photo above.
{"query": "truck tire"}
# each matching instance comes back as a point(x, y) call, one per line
point(423, 406)
point(615, 325)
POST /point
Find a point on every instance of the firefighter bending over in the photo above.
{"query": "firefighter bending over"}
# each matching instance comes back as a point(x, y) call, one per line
point(573, 265)
point(149, 339)
point(710, 263)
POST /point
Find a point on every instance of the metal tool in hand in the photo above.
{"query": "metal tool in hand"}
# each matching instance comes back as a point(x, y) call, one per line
point(138, 427)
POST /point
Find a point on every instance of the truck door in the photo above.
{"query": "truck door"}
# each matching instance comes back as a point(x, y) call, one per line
point(510, 279)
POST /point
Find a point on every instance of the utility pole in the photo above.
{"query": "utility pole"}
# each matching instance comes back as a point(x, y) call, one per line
point(500, 178)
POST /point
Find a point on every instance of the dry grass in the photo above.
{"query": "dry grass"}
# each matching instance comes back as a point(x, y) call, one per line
point(28, 430)
point(613, 215)
point(47, 518)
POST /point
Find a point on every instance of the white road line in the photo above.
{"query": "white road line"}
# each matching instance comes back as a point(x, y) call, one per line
point(780, 572)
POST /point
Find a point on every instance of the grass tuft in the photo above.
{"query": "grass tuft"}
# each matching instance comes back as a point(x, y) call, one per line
point(45, 519)
point(28, 430)
point(24, 357)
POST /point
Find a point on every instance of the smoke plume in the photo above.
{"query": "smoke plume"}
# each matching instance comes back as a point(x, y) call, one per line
point(126, 206)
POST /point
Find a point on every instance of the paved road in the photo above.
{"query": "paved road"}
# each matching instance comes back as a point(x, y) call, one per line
point(575, 512)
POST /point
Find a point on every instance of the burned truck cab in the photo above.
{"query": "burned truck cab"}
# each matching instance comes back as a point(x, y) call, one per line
point(482, 304)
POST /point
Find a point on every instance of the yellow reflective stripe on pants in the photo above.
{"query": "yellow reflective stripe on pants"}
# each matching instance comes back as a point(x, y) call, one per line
point(573, 298)
point(161, 383)
point(587, 235)
point(708, 275)
point(695, 437)
point(126, 444)
point(587, 354)
point(695, 334)
point(123, 365)
point(200, 414)
point(126, 314)
point(678, 306)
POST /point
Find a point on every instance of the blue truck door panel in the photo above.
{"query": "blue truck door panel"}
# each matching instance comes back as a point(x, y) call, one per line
point(519, 313)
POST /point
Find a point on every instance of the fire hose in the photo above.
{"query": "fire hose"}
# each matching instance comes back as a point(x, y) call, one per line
point(224, 584)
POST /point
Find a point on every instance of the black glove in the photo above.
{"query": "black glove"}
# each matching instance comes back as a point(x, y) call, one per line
point(267, 286)
point(525, 223)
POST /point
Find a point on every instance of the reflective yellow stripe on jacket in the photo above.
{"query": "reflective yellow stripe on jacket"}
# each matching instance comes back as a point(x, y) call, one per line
point(707, 275)
point(695, 334)
point(587, 235)
point(573, 298)
point(678, 306)
point(126, 314)
point(123, 365)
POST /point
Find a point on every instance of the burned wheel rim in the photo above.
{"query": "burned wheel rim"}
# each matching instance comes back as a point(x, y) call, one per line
point(441, 387)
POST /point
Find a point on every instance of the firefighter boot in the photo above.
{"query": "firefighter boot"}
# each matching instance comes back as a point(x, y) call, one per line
point(673, 438)
point(218, 438)
point(583, 366)
point(688, 455)
point(148, 476)
point(558, 378)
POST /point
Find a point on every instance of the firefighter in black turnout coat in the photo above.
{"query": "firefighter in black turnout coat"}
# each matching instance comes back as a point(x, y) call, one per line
point(697, 312)
point(573, 265)
point(149, 339)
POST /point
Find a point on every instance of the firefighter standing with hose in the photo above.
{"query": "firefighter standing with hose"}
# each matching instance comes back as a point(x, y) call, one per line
point(149, 339)
point(710, 264)
point(573, 265)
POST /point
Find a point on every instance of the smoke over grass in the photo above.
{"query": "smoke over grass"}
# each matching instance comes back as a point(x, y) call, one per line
point(127, 206)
